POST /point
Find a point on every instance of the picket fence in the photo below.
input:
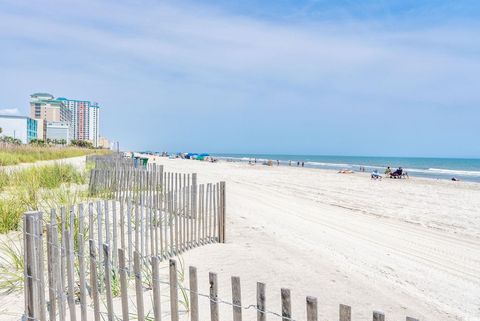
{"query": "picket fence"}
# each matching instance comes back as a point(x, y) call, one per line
point(100, 261)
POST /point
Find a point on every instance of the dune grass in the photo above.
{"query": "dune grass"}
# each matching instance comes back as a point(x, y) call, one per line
point(14, 155)
point(36, 188)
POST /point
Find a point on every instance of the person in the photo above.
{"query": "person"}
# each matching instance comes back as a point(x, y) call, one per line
point(388, 171)
point(375, 174)
point(298, 163)
point(455, 179)
point(278, 162)
point(397, 174)
point(303, 164)
point(289, 163)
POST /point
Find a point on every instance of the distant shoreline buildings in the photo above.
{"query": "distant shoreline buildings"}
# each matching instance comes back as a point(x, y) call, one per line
point(82, 116)
point(56, 119)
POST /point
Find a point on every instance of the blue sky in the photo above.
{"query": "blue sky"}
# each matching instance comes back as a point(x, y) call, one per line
point(392, 78)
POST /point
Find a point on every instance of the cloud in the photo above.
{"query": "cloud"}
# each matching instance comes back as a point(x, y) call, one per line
point(176, 58)
point(209, 46)
point(9, 111)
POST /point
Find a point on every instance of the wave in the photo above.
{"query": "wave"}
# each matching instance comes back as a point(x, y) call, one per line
point(438, 172)
point(454, 172)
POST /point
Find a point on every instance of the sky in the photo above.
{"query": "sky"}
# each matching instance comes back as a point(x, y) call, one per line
point(314, 77)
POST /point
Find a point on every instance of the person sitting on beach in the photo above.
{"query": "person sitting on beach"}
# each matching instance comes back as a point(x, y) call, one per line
point(345, 171)
point(397, 174)
point(388, 171)
point(375, 175)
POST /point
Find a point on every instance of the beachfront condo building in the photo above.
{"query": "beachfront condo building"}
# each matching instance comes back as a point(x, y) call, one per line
point(19, 127)
point(85, 119)
point(82, 115)
point(45, 108)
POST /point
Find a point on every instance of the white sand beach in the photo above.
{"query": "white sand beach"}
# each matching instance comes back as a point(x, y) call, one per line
point(404, 247)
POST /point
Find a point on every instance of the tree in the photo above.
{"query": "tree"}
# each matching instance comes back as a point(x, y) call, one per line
point(81, 143)
point(10, 140)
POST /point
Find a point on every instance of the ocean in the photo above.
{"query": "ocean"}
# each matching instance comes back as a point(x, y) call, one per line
point(435, 168)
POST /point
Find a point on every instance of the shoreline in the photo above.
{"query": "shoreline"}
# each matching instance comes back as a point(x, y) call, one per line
point(328, 170)
point(430, 172)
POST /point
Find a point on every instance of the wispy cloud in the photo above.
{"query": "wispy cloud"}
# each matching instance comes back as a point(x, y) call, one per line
point(9, 111)
point(319, 65)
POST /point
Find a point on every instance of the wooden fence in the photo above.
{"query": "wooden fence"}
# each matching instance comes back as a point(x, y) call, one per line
point(100, 261)
point(85, 281)
point(143, 231)
point(118, 178)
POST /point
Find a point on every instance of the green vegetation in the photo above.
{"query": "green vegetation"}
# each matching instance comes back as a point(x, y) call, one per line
point(10, 140)
point(48, 142)
point(13, 155)
point(11, 267)
point(81, 143)
point(37, 188)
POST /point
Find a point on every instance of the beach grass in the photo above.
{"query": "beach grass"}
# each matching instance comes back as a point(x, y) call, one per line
point(37, 188)
point(14, 155)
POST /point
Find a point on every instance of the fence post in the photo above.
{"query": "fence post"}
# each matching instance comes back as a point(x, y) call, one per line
point(212, 277)
point(157, 311)
point(40, 265)
point(51, 269)
point(138, 285)
point(94, 280)
point(222, 213)
point(286, 304)
point(194, 194)
point(378, 316)
point(81, 263)
point(236, 299)
point(312, 311)
point(261, 305)
point(345, 313)
point(123, 284)
point(193, 293)
point(108, 280)
point(29, 264)
point(70, 275)
point(173, 290)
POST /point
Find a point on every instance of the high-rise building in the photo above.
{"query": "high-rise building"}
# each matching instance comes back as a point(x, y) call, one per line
point(82, 115)
point(45, 107)
point(85, 119)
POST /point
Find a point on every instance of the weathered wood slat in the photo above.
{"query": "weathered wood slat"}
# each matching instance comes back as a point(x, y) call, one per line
point(236, 299)
point(261, 302)
point(173, 290)
point(123, 284)
point(212, 277)
point(312, 310)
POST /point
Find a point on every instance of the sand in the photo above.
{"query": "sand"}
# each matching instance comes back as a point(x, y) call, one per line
point(405, 247)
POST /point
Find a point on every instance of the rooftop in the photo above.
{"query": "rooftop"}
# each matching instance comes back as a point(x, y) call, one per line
point(14, 116)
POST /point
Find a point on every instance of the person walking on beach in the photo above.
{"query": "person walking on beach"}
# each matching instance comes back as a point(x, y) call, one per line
point(278, 162)
point(289, 163)
point(298, 164)
point(303, 164)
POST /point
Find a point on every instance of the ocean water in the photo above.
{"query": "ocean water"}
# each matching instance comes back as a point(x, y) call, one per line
point(436, 168)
